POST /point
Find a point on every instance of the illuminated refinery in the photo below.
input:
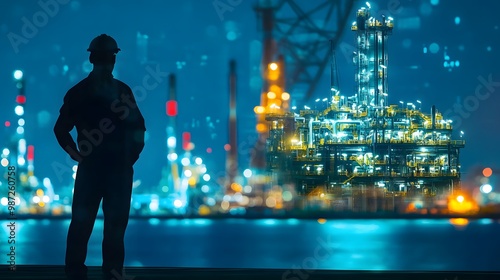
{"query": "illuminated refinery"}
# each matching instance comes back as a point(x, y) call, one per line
point(362, 143)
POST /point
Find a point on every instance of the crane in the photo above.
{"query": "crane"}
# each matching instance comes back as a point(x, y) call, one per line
point(297, 45)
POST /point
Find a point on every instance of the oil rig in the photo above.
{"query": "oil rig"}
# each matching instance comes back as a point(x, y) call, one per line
point(361, 143)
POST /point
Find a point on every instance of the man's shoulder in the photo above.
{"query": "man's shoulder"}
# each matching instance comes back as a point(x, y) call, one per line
point(123, 85)
point(77, 89)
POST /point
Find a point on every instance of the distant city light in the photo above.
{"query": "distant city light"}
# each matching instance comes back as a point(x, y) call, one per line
point(4, 162)
point(177, 203)
point(172, 157)
point(460, 198)
point(188, 173)
point(18, 74)
point(247, 173)
point(206, 177)
point(486, 188)
point(21, 122)
point(185, 161)
point(487, 172)
point(154, 205)
point(247, 189)
point(198, 160)
point(205, 188)
point(273, 66)
point(19, 110)
point(5, 152)
point(46, 182)
point(171, 141)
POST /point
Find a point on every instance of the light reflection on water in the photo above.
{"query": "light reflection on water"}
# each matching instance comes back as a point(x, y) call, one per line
point(276, 243)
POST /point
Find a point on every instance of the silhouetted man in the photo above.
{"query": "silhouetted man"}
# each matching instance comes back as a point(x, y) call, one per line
point(110, 138)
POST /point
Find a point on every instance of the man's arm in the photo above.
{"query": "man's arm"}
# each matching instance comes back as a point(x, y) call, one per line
point(64, 124)
point(138, 128)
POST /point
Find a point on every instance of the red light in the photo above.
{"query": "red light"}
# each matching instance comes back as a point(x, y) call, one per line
point(209, 150)
point(21, 99)
point(7, 123)
point(227, 147)
point(186, 139)
point(31, 153)
point(171, 108)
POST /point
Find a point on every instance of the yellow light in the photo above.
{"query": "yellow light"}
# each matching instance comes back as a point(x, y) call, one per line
point(192, 181)
point(203, 210)
point(39, 192)
point(41, 204)
point(273, 66)
point(285, 96)
point(459, 221)
point(271, 95)
point(259, 109)
point(460, 198)
point(236, 187)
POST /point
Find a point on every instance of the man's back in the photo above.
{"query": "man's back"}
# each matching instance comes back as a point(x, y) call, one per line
point(107, 127)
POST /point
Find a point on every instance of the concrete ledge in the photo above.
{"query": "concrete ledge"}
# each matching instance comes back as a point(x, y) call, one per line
point(25, 272)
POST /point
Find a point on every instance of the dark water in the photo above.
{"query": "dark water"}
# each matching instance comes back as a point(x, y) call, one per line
point(270, 243)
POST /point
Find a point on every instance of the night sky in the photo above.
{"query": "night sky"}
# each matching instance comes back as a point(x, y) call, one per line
point(191, 39)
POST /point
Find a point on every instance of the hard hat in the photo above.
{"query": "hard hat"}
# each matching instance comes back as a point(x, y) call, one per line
point(103, 43)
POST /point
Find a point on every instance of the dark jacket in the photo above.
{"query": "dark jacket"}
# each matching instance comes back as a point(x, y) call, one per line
point(109, 124)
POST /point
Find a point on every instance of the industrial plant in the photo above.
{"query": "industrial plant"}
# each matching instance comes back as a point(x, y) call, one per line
point(360, 144)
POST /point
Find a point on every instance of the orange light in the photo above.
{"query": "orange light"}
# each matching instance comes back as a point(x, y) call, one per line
point(321, 220)
point(275, 88)
point(271, 95)
point(487, 172)
point(261, 127)
point(259, 109)
point(236, 187)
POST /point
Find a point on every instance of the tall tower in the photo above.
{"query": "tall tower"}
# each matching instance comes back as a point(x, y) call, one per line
point(172, 169)
point(232, 153)
point(371, 59)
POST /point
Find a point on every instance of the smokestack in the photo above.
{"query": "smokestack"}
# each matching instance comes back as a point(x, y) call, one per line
point(171, 110)
point(232, 159)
